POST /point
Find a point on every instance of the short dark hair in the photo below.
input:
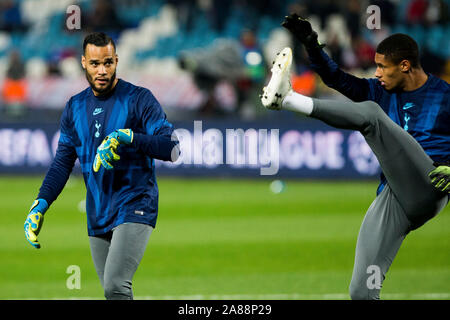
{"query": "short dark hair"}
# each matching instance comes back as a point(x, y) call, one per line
point(398, 47)
point(99, 39)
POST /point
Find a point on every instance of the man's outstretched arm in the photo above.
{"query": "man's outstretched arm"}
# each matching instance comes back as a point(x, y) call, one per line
point(354, 88)
point(163, 147)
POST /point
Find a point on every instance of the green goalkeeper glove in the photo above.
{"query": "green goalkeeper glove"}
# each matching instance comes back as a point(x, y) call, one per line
point(302, 30)
point(34, 221)
point(106, 152)
point(440, 178)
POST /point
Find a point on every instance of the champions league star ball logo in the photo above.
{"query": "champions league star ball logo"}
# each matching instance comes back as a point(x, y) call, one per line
point(362, 157)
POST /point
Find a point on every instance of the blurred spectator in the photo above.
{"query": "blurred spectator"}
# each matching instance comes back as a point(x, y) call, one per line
point(251, 82)
point(187, 10)
point(218, 14)
point(438, 12)
point(240, 63)
point(219, 62)
point(11, 16)
point(216, 11)
point(335, 49)
point(365, 53)
point(14, 90)
point(416, 11)
point(323, 9)
point(103, 18)
point(56, 56)
point(353, 16)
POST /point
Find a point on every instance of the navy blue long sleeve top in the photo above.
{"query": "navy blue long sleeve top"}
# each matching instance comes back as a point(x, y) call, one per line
point(424, 112)
point(129, 192)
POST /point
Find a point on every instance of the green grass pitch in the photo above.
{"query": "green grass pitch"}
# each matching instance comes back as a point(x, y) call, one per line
point(222, 239)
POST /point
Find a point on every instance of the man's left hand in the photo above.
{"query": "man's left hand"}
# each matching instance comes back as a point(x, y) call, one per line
point(440, 178)
point(106, 152)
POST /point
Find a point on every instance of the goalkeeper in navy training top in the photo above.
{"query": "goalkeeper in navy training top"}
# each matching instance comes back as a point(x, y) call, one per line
point(404, 115)
point(116, 130)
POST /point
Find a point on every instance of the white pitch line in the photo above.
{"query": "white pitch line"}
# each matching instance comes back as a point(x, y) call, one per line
point(275, 296)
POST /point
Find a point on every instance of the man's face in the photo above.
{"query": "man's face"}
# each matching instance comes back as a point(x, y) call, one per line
point(391, 75)
point(100, 65)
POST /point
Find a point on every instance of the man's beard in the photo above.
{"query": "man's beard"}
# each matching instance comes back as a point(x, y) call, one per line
point(104, 90)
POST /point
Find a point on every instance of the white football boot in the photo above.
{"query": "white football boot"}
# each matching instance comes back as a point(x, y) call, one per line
point(280, 82)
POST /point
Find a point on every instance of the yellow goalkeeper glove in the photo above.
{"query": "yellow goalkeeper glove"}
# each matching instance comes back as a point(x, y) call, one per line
point(440, 178)
point(34, 221)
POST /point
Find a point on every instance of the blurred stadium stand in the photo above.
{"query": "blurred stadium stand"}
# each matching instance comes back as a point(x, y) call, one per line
point(153, 37)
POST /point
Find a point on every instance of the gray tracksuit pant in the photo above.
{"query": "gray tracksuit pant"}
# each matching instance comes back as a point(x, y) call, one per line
point(117, 255)
point(407, 201)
